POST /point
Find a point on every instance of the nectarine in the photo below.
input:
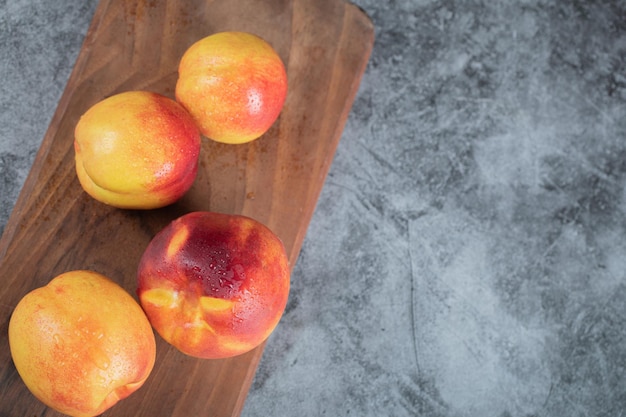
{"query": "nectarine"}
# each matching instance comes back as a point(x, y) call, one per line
point(214, 285)
point(81, 343)
point(136, 150)
point(234, 84)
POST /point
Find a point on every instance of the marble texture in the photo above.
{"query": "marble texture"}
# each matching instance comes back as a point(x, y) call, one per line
point(466, 257)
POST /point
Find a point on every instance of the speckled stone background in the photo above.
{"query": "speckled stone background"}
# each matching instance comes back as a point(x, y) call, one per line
point(466, 257)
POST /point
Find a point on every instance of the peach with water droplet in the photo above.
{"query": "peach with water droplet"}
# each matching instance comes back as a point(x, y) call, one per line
point(136, 150)
point(234, 84)
point(81, 343)
point(214, 285)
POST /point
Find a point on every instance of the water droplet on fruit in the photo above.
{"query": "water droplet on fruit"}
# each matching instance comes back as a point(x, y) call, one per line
point(255, 102)
point(56, 338)
point(104, 365)
point(101, 359)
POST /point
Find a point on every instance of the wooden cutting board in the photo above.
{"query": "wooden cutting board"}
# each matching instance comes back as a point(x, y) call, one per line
point(136, 45)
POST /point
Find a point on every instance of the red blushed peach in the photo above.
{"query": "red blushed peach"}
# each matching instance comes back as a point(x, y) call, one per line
point(234, 84)
point(214, 285)
point(81, 343)
point(137, 150)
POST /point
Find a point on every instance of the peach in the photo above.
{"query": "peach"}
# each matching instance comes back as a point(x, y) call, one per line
point(81, 343)
point(214, 285)
point(234, 84)
point(136, 150)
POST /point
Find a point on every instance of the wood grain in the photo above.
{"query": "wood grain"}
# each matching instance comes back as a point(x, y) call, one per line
point(136, 45)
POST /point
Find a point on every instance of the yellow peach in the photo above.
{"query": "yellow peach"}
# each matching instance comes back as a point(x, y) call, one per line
point(136, 150)
point(81, 343)
point(234, 84)
point(214, 285)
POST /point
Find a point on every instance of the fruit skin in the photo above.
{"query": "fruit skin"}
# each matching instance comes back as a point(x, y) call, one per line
point(136, 150)
point(214, 285)
point(234, 84)
point(81, 343)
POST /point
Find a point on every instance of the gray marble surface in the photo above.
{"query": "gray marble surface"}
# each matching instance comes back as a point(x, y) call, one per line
point(466, 257)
